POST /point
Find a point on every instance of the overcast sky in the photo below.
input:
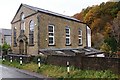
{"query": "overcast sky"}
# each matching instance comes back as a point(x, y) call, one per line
point(67, 7)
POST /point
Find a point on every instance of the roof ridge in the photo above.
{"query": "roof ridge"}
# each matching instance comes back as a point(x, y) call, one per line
point(50, 12)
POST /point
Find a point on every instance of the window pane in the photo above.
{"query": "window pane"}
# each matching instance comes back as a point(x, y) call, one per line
point(67, 41)
point(50, 28)
point(31, 39)
point(22, 17)
point(51, 34)
point(67, 30)
point(67, 35)
point(31, 26)
point(80, 32)
point(80, 36)
point(31, 32)
point(80, 41)
point(15, 36)
point(50, 40)
point(22, 26)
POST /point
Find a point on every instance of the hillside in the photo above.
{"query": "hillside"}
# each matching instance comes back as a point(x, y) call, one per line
point(103, 21)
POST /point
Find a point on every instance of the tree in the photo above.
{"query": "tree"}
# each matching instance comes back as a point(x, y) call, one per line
point(107, 29)
point(5, 48)
point(79, 16)
point(91, 15)
point(111, 41)
point(105, 47)
point(116, 29)
point(99, 18)
point(97, 40)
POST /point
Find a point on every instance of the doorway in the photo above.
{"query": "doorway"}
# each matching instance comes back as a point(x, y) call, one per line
point(21, 47)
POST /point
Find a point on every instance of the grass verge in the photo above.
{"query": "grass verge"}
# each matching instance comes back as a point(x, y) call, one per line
point(60, 72)
point(0, 61)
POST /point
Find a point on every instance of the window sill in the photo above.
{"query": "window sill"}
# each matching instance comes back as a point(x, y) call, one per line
point(80, 45)
point(14, 46)
point(51, 44)
point(68, 44)
point(31, 44)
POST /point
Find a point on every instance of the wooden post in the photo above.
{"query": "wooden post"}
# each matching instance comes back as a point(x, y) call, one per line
point(68, 69)
point(20, 60)
point(3, 59)
point(11, 59)
point(39, 63)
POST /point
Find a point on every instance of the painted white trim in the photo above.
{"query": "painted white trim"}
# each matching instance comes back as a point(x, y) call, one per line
point(88, 37)
point(68, 37)
point(51, 36)
point(80, 36)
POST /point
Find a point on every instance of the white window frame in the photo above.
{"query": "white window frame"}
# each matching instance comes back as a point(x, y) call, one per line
point(31, 29)
point(22, 17)
point(80, 36)
point(15, 35)
point(51, 36)
point(68, 36)
point(31, 25)
point(22, 22)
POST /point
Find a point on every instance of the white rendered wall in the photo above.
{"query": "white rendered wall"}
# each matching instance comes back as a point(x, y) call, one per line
point(88, 37)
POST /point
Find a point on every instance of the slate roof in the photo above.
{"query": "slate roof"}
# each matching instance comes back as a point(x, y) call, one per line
point(50, 12)
point(71, 52)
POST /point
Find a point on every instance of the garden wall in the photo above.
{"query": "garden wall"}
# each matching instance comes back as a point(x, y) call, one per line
point(82, 62)
point(101, 63)
point(79, 61)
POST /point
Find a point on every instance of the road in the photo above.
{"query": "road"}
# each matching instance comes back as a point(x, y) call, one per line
point(9, 73)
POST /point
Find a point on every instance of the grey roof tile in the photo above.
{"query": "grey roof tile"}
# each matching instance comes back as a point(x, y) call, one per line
point(71, 52)
point(50, 12)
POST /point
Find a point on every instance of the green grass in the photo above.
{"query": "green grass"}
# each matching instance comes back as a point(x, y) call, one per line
point(60, 72)
point(0, 61)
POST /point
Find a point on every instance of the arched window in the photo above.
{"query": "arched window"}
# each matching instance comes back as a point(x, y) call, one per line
point(22, 26)
point(31, 32)
point(14, 33)
point(31, 25)
point(22, 17)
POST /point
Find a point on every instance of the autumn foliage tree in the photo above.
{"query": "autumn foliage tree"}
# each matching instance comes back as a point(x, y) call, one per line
point(116, 29)
point(103, 20)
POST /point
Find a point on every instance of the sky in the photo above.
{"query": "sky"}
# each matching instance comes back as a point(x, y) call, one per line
point(66, 7)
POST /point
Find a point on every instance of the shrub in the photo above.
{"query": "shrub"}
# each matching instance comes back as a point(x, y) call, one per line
point(5, 48)
point(61, 72)
point(42, 59)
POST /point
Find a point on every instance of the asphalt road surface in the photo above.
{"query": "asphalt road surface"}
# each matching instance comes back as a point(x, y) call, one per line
point(9, 73)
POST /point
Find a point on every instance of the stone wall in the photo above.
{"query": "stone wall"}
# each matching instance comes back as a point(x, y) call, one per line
point(79, 61)
point(60, 60)
point(99, 63)
point(59, 32)
point(41, 40)
point(90, 63)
